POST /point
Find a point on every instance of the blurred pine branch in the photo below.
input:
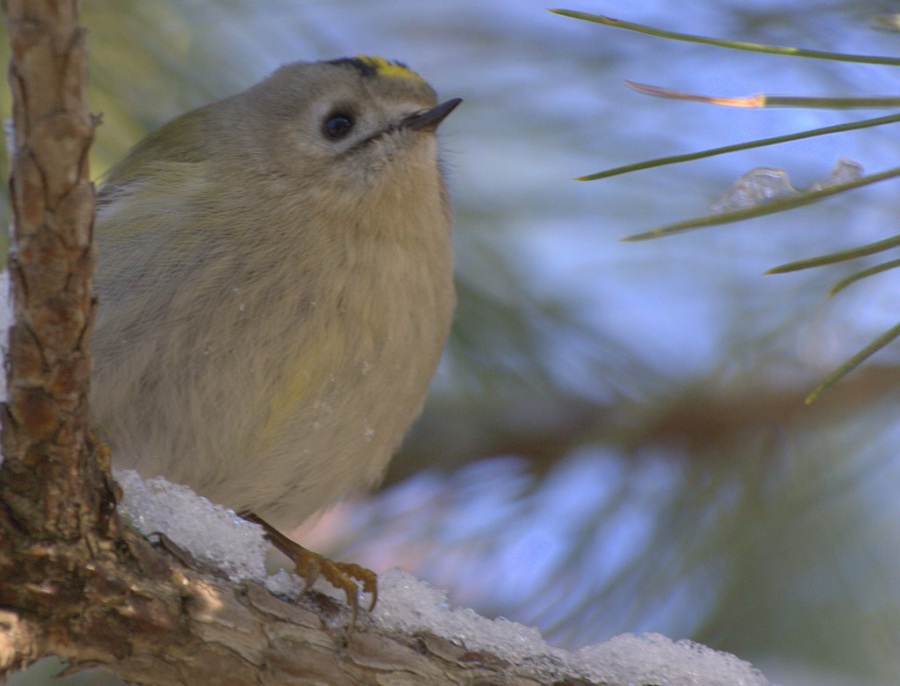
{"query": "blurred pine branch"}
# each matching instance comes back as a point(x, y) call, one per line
point(769, 204)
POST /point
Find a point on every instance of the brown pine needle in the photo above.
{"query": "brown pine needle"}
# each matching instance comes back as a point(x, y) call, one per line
point(752, 101)
point(759, 100)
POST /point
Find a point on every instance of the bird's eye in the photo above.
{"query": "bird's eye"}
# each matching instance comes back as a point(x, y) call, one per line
point(338, 125)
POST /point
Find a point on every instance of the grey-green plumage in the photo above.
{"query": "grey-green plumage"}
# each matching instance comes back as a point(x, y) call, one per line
point(275, 285)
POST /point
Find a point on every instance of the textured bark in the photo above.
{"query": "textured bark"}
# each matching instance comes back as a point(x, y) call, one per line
point(210, 633)
point(154, 623)
point(55, 506)
point(49, 482)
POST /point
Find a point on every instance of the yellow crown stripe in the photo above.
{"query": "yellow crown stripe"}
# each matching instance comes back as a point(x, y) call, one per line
point(388, 68)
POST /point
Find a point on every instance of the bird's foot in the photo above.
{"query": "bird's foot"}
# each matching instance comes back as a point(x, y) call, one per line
point(344, 576)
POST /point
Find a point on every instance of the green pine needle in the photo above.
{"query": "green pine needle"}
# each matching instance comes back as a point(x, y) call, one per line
point(841, 256)
point(851, 364)
point(765, 208)
point(749, 145)
point(733, 45)
point(865, 273)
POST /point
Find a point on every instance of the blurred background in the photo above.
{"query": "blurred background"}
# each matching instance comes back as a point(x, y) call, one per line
point(616, 440)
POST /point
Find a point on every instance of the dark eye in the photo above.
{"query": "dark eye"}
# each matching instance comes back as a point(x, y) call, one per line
point(338, 125)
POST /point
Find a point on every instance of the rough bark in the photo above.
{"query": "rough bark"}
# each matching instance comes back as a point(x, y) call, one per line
point(168, 626)
point(49, 480)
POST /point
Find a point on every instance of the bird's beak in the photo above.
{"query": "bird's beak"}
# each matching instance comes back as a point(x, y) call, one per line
point(429, 119)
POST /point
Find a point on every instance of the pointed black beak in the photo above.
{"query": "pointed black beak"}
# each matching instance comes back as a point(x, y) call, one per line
point(429, 119)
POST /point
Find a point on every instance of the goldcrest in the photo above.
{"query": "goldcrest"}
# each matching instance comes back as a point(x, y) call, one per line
point(275, 287)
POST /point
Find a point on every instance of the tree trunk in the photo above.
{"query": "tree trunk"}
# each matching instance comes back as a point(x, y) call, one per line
point(49, 480)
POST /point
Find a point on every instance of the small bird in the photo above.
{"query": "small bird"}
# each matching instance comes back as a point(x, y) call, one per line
point(275, 287)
